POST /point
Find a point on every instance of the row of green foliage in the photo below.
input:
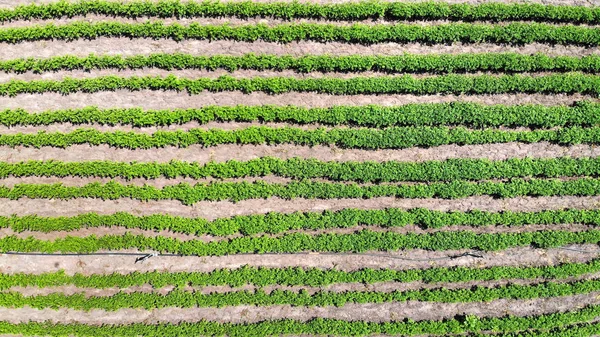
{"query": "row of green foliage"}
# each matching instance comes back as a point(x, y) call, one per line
point(296, 276)
point(296, 10)
point(360, 241)
point(192, 299)
point(582, 113)
point(410, 63)
point(280, 222)
point(300, 168)
point(363, 138)
point(512, 33)
point(235, 191)
point(569, 83)
point(318, 326)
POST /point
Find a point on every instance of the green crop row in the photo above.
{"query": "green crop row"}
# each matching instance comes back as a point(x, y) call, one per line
point(411, 63)
point(389, 138)
point(280, 222)
point(319, 326)
point(569, 83)
point(299, 168)
point(580, 330)
point(192, 299)
point(295, 276)
point(360, 241)
point(292, 10)
point(582, 113)
point(512, 33)
point(236, 191)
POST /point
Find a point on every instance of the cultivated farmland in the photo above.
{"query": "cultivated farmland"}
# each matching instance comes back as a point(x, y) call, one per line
point(299, 168)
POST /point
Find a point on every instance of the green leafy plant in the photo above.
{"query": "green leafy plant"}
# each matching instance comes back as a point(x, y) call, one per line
point(299, 168)
point(236, 191)
point(512, 33)
point(363, 138)
point(582, 113)
point(287, 10)
point(361, 241)
point(443, 84)
point(407, 63)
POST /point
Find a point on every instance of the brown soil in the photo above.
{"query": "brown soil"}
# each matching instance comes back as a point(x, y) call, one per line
point(213, 210)
point(224, 153)
point(181, 100)
point(378, 260)
point(367, 312)
point(244, 73)
point(385, 287)
point(127, 47)
point(197, 73)
point(234, 21)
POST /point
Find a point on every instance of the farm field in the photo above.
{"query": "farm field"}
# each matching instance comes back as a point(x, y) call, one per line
point(314, 168)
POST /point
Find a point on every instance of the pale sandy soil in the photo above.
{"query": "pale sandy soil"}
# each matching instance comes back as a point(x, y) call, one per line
point(238, 74)
point(156, 100)
point(213, 210)
point(376, 260)
point(385, 287)
point(129, 47)
point(369, 312)
point(223, 153)
point(234, 21)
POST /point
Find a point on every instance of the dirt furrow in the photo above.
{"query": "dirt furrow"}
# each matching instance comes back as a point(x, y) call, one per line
point(411, 259)
point(198, 73)
point(235, 21)
point(162, 182)
point(385, 287)
point(156, 100)
point(215, 74)
point(213, 210)
point(367, 312)
point(224, 153)
point(128, 47)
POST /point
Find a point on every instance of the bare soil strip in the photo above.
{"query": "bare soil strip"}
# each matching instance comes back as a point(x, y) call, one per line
point(238, 74)
point(162, 182)
point(235, 21)
point(156, 100)
point(385, 287)
point(213, 210)
point(410, 259)
point(128, 47)
point(182, 100)
point(223, 153)
point(194, 74)
point(365, 312)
